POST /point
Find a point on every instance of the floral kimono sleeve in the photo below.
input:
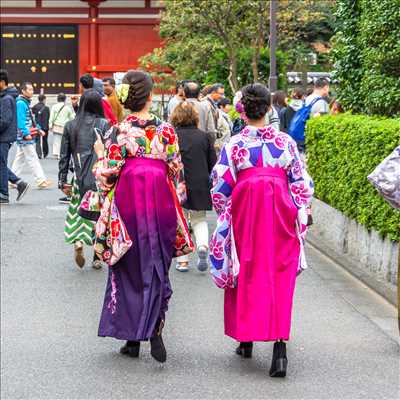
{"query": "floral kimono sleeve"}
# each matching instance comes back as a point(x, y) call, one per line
point(107, 170)
point(174, 162)
point(223, 181)
point(301, 188)
point(183, 242)
point(223, 257)
point(301, 185)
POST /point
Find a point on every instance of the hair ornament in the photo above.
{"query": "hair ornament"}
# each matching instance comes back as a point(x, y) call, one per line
point(122, 92)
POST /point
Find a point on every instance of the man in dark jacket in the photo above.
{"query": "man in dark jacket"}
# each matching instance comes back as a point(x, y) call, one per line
point(42, 116)
point(8, 135)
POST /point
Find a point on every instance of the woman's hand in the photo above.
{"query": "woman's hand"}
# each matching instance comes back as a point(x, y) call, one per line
point(99, 147)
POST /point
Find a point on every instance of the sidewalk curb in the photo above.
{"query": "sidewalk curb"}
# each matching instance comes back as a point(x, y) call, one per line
point(385, 290)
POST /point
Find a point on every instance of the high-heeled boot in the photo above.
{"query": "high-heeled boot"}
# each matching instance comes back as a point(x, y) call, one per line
point(158, 351)
point(245, 349)
point(279, 361)
point(131, 349)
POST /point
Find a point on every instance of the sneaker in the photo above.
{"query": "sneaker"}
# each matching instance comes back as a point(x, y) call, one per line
point(45, 184)
point(4, 201)
point(22, 188)
point(182, 267)
point(78, 254)
point(64, 200)
point(202, 264)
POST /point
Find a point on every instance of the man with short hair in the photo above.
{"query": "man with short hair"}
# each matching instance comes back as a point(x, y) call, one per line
point(86, 82)
point(321, 91)
point(42, 116)
point(176, 99)
point(109, 90)
point(206, 123)
point(26, 133)
point(8, 135)
point(215, 93)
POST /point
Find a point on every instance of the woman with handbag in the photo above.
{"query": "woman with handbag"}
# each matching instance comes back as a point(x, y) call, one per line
point(198, 157)
point(260, 193)
point(77, 143)
point(60, 114)
point(141, 225)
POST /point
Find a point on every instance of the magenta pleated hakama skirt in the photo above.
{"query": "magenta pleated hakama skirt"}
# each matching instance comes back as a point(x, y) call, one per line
point(264, 225)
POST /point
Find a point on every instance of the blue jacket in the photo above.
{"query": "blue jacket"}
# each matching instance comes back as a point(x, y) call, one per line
point(24, 120)
point(8, 116)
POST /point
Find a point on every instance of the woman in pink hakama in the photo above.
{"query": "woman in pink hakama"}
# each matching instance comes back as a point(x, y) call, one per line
point(260, 193)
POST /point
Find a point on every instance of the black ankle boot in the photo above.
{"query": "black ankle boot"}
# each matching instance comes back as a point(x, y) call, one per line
point(279, 361)
point(158, 351)
point(131, 349)
point(245, 349)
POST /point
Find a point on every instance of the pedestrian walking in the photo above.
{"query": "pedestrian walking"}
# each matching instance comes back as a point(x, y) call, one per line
point(335, 107)
point(77, 144)
point(216, 93)
point(86, 82)
point(206, 122)
point(287, 114)
point(320, 92)
point(260, 190)
point(141, 226)
point(42, 117)
point(224, 106)
point(109, 90)
point(198, 157)
point(8, 135)
point(272, 118)
point(176, 99)
point(60, 114)
point(108, 112)
point(75, 103)
point(26, 139)
point(279, 101)
point(220, 129)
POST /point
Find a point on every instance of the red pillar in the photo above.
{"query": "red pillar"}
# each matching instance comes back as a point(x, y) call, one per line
point(94, 36)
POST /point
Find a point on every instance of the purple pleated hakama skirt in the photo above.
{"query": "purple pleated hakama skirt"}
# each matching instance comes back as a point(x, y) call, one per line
point(138, 287)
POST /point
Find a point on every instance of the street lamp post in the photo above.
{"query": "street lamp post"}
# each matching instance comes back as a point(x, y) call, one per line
point(273, 79)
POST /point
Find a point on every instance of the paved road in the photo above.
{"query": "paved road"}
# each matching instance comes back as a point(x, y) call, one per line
point(343, 340)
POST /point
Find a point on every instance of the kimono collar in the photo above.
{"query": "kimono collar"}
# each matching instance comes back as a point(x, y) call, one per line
point(266, 131)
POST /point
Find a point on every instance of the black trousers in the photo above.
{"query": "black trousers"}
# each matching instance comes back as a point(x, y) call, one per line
point(6, 175)
point(42, 145)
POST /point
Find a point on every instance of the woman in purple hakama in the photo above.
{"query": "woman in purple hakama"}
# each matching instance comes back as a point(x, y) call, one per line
point(142, 231)
point(260, 193)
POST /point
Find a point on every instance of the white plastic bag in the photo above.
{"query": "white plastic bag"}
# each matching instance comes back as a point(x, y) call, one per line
point(386, 178)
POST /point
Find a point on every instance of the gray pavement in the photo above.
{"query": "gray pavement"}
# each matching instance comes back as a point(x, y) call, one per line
point(344, 338)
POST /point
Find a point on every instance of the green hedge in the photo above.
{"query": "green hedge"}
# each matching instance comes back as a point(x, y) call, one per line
point(342, 151)
point(366, 55)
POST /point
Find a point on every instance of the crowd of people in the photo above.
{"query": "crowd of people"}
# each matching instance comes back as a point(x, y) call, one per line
point(138, 188)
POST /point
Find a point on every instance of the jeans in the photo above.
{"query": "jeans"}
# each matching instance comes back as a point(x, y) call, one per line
point(6, 174)
point(27, 154)
point(198, 221)
point(42, 145)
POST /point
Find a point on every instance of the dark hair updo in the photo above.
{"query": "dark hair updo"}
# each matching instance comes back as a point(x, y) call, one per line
point(140, 87)
point(256, 100)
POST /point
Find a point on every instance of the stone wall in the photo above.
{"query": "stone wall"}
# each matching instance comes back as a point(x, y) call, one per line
point(375, 256)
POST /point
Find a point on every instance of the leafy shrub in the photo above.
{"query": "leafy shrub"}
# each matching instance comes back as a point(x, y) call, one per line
point(342, 151)
point(367, 55)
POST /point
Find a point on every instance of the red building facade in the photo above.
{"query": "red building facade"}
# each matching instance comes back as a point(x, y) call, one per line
point(53, 42)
